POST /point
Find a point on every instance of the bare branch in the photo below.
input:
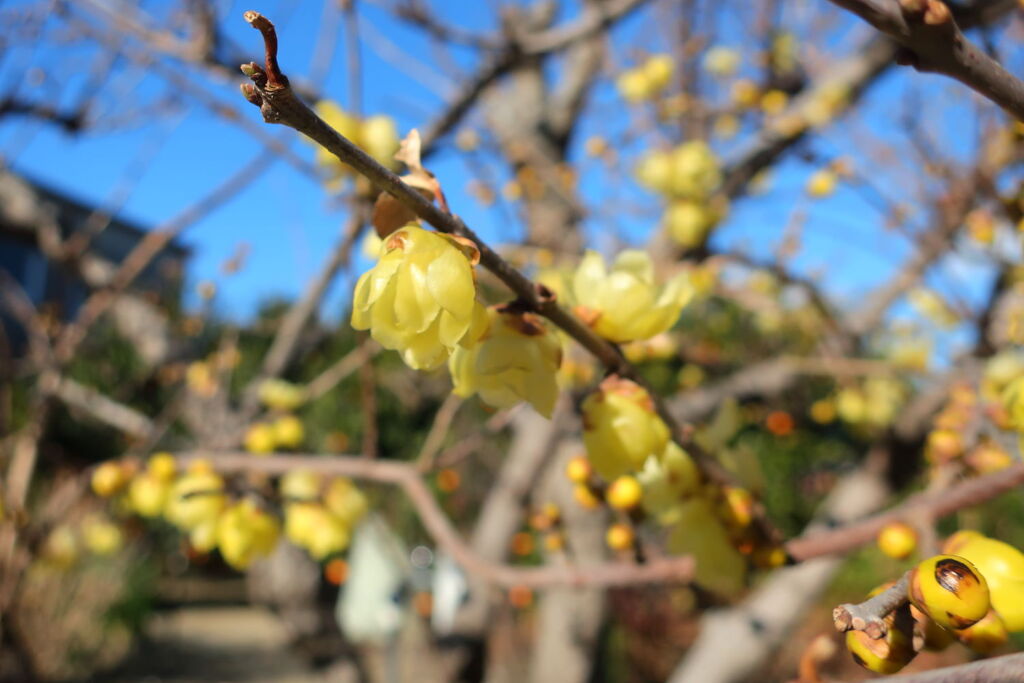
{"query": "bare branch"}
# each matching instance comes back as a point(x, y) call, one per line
point(994, 670)
point(934, 43)
point(103, 408)
point(869, 616)
point(934, 504)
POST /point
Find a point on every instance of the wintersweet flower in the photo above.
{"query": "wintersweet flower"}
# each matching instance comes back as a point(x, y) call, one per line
point(420, 297)
point(343, 500)
point(667, 481)
point(689, 171)
point(516, 360)
point(621, 429)
point(245, 532)
point(196, 498)
point(626, 304)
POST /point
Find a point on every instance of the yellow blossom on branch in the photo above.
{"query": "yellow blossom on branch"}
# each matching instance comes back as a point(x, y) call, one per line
point(625, 304)
point(621, 429)
point(420, 297)
point(516, 360)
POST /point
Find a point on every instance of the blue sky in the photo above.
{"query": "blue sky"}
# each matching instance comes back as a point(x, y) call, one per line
point(290, 223)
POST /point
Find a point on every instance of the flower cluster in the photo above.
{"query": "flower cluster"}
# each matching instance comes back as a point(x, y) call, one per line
point(628, 444)
point(319, 513)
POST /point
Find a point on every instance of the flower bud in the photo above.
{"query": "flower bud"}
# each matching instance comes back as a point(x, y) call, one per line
point(890, 653)
point(281, 395)
point(288, 431)
point(620, 427)
point(624, 493)
point(259, 439)
point(897, 540)
point(619, 537)
point(1002, 565)
point(109, 478)
point(985, 636)
point(950, 590)
point(578, 470)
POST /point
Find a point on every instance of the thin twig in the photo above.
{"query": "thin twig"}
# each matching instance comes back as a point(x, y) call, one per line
point(869, 616)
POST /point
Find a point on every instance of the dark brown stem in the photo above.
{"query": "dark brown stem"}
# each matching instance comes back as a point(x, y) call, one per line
point(932, 41)
point(275, 79)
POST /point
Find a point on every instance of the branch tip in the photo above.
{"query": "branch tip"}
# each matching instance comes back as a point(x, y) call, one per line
point(275, 79)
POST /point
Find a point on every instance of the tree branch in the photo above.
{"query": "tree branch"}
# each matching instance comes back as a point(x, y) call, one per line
point(280, 104)
point(934, 43)
point(931, 505)
point(436, 523)
point(869, 616)
point(993, 670)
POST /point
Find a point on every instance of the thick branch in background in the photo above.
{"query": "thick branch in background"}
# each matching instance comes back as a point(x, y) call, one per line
point(995, 670)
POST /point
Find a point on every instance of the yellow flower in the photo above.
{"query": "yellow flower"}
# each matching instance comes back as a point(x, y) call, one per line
point(699, 532)
point(658, 69)
point(379, 137)
point(203, 538)
point(667, 481)
point(195, 499)
point(420, 297)
point(288, 431)
point(313, 527)
point(147, 494)
point(300, 485)
point(625, 304)
point(110, 478)
point(101, 536)
point(345, 501)
point(516, 360)
point(245, 532)
point(282, 395)
point(260, 439)
point(721, 61)
point(620, 428)
point(690, 171)
point(1013, 403)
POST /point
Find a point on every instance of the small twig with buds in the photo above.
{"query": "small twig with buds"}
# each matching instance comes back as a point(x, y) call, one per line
point(869, 616)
